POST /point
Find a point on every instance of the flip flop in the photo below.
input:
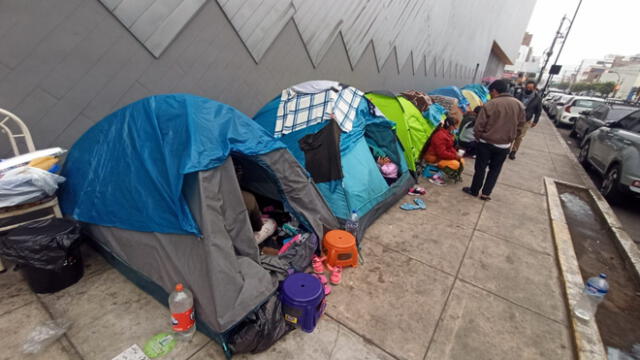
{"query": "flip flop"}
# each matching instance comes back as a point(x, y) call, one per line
point(409, 207)
point(420, 203)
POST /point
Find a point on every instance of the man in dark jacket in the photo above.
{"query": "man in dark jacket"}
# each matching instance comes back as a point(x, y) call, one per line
point(496, 129)
point(533, 108)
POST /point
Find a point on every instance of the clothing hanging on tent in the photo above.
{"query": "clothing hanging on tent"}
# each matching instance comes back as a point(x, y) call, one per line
point(322, 153)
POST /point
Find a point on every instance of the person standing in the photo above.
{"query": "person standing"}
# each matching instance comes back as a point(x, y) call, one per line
point(496, 129)
point(533, 108)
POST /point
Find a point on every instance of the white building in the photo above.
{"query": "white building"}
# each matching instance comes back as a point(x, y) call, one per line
point(627, 76)
point(525, 62)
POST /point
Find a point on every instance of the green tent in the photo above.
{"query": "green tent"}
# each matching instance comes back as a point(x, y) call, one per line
point(412, 128)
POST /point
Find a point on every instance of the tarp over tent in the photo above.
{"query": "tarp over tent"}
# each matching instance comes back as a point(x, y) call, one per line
point(412, 128)
point(480, 90)
point(156, 183)
point(454, 92)
point(361, 186)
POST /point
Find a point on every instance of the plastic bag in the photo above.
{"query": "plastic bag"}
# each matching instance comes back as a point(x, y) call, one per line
point(45, 335)
point(263, 328)
point(43, 244)
point(27, 184)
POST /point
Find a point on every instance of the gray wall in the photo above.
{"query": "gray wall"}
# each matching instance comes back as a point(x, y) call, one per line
point(66, 64)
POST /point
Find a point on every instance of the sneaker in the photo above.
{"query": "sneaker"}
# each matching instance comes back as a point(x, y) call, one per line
point(416, 190)
point(316, 263)
point(336, 275)
point(268, 228)
point(437, 180)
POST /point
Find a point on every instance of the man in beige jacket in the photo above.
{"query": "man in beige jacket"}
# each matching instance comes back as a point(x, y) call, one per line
point(495, 129)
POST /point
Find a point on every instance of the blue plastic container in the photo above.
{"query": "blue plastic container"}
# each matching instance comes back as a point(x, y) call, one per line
point(303, 300)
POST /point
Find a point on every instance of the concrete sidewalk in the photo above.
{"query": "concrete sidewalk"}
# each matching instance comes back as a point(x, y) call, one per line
point(463, 279)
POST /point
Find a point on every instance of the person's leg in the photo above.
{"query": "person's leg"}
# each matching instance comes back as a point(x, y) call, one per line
point(522, 131)
point(483, 155)
point(498, 156)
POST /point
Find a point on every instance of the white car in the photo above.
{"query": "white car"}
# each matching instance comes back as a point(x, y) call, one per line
point(570, 109)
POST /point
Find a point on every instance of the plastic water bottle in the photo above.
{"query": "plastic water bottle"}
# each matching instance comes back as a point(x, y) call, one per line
point(352, 224)
point(183, 317)
point(593, 293)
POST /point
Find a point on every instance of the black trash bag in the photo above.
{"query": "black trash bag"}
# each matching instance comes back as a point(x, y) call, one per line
point(43, 244)
point(263, 328)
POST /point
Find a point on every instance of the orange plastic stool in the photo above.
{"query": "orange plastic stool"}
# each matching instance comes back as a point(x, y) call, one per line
point(340, 248)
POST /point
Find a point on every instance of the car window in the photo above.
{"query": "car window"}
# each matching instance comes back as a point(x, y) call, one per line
point(589, 104)
point(629, 121)
point(600, 112)
point(617, 114)
point(636, 128)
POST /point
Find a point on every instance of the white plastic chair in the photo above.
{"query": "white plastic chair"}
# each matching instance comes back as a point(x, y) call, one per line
point(5, 213)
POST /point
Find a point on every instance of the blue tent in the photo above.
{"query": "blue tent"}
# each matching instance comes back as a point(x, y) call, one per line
point(157, 186)
point(454, 92)
point(362, 187)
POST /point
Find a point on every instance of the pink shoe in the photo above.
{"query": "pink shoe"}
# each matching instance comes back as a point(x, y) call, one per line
point(336, 275)
point(316, 263)
point(322, 278)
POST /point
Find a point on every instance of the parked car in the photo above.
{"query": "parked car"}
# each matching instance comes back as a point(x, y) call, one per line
point(557, 106)
point(570, 109)
point(549, 100)
point(590, 120)
point(614, 151)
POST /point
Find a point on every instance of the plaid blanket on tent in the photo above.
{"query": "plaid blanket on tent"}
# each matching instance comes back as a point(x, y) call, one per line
point(298, 111)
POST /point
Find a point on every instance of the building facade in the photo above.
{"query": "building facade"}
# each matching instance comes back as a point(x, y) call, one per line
point(68, 63)
point(628, 79)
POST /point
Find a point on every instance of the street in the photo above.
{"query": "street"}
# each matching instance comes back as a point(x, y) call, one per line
point(629, 211)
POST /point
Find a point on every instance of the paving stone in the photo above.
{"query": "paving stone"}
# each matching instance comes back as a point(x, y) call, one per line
point(328, 341)
point(15, 291)
point(15, 327)
point(478, 325)
point(524, 276)
point(450, 202)
point(422, 235)
point(391, 300)
point(110, 314)
point(524, 224)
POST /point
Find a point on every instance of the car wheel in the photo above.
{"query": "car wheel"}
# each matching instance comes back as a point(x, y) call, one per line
point(583, 156)
point(610, 187)
point(573, 133)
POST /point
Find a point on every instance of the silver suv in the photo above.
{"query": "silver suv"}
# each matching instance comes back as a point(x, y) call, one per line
point(614, 151)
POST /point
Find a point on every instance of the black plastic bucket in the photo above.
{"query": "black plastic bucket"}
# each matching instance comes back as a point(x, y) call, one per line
point(44, 281)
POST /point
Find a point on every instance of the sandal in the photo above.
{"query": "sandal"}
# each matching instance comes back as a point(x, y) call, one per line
point(316, 263)
point(336, 274)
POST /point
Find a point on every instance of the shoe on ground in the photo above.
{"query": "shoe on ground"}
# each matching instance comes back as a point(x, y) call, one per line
point(417, 190)
point(512, 155)
point(467, 190)
point(336, 275)
point(268, 228)
point(316, 263)
point(437, 180)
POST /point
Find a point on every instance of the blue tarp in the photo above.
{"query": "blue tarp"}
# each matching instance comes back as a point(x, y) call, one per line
point(127, 171)
point(454, 92)
point(434, 114)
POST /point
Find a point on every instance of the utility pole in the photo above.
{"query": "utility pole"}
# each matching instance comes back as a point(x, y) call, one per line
point(550, 52)
point(566, 35)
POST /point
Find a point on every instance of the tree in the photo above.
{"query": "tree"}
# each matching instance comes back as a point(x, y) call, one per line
point(605, 88)
point(561, 86)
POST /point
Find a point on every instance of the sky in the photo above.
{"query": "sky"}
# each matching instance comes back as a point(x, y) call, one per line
point(601, 27)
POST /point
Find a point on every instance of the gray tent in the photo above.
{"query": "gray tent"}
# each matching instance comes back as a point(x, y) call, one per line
point(189, 224)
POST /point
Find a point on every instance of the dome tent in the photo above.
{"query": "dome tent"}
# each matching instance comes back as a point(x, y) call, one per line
point(156, 185)
point(359, 185)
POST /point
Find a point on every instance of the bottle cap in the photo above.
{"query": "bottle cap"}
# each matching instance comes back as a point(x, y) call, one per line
point(179, 287)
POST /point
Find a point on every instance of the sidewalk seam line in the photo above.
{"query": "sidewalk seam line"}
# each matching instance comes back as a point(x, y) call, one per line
point(366, 339)
point(518, 244)
point(513, 302)
point(446, 302)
